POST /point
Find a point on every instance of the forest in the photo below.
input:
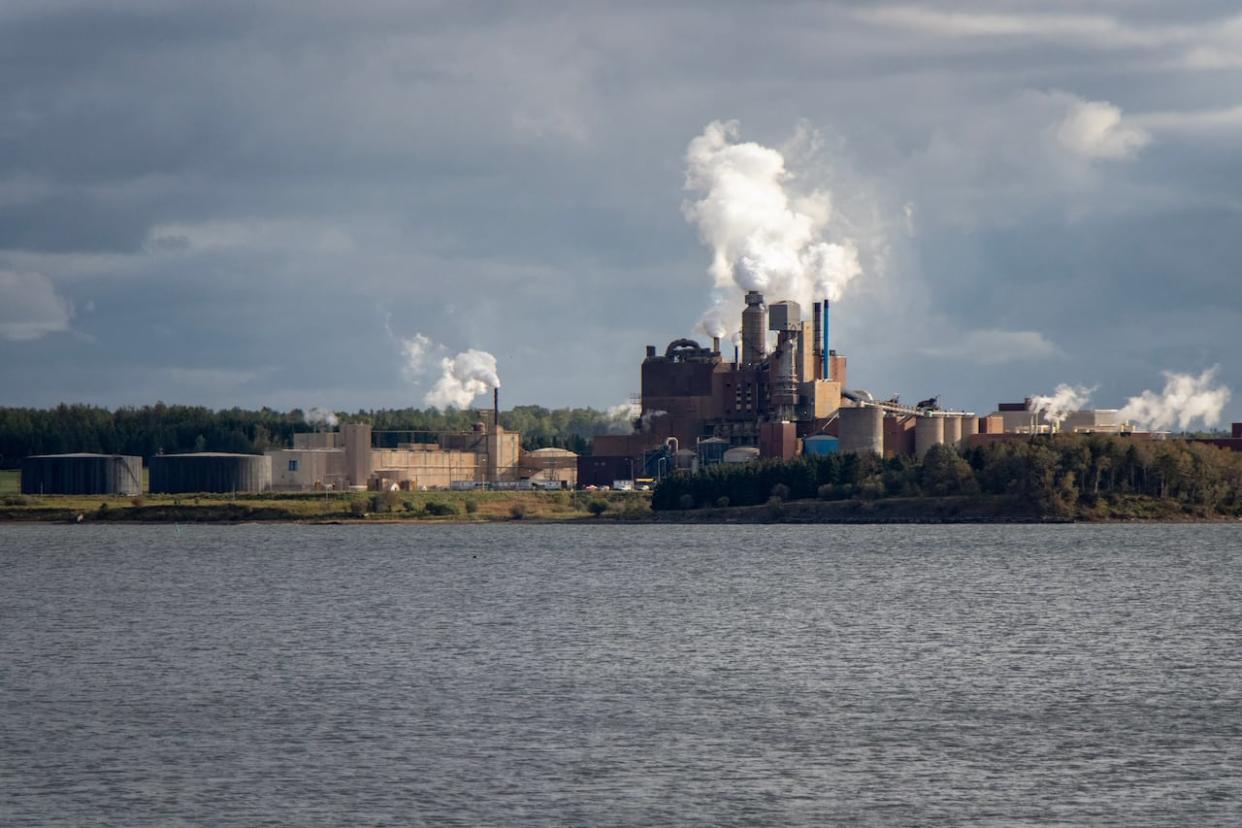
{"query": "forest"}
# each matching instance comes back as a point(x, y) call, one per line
point(168, 429)
point(1063, 475)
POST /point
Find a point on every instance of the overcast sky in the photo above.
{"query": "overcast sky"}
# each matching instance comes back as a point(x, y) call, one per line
point(224, 204)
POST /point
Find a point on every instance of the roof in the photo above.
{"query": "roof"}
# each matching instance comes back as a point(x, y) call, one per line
point(189, 454)
point(553, 451)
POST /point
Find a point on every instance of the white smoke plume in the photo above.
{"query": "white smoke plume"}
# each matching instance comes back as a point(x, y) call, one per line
point(317, 416)
point(621, 417)
point(1064, 400)
point(462, 378)
point(1184, 400)
point(763, 237)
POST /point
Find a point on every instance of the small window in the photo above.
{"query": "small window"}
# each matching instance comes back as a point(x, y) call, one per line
point(293, 465)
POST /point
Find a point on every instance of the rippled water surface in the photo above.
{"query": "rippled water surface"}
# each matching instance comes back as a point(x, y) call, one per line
point(520, 674)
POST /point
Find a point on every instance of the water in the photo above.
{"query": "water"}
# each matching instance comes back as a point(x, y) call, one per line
point(545, 675)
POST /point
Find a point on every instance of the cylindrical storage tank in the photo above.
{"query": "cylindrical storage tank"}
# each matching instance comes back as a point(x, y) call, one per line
point(686, 459)
point(741, 454)
point(861, 430)
point(711, 451)
point(928, 432)
point(82, 474)
point(820, 445)
point(754, 328)
point(953, 430)
point(970, 427)
point(210, 472)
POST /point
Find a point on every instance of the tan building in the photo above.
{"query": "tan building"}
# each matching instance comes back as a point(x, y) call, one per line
point(557, 467)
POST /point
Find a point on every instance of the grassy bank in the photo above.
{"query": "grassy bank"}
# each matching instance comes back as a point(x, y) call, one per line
point(315, 507)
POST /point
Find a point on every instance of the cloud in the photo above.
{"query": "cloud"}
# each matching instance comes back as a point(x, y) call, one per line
point(1185, 400)
point(30, 307)
point(1094, 129)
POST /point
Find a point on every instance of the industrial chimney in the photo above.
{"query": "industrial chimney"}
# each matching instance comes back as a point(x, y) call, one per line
point(754, 328)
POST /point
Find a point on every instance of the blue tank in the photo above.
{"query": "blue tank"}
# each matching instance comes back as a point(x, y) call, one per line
point(820, 445)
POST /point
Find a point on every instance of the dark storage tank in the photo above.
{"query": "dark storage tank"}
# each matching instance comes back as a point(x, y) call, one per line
point(82, 474)
point(210, 472)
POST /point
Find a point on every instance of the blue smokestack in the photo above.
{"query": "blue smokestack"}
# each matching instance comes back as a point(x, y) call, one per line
point(827, 372)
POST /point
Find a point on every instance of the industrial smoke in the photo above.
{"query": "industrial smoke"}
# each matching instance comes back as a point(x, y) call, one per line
point(763, 235)
point(463, 377)
point(1064, 400)
point(317, 416)
point(1184, 400)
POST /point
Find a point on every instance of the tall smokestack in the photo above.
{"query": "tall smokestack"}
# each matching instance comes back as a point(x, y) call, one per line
point(827, 362)
point(715, 344)
point(817, 353)
point(754, 328)
point(496, 410)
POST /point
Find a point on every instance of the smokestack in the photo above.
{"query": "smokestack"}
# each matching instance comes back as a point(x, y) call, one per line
point(754, 328)
point(496, 410)
point(715, 344)
point(827, 362)
point(817, 354)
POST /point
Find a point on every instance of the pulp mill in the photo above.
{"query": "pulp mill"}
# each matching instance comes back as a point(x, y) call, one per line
point(783, 392)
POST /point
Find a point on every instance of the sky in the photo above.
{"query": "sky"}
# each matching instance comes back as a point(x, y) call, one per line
point(265, 204)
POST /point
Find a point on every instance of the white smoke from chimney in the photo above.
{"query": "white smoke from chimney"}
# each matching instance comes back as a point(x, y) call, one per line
point(762, 237)
point(1185, 399)
point(1064, 400)
point(621, 417)
point(462, 378)
point(317, 416)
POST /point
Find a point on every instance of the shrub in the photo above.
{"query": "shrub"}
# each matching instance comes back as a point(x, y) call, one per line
point(826, 492)
point(358, 508)
point(103, 508)
point(472, 506)
point(597, 507)
point(438, 509)
point(517, 510)
point(780, 491)
point(16, 500)
point(722, 502)
point(409, 506)
point(138, 501)
point(686, 501)
point(776, 507)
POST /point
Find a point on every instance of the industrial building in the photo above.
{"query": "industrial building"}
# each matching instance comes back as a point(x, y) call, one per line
point(209, 471)
point(82, 474)
point(487, 455)
point(784, 389)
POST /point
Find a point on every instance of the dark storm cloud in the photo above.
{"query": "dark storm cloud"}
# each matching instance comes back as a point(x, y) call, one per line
point(256, 199)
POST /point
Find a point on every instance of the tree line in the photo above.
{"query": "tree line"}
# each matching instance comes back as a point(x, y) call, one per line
point(168, 429)
point(1063, 475)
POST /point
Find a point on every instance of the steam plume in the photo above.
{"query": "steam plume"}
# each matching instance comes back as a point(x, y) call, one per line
point(1057, 406)
point(762, 236)
point(462, 378)
point(1185, 399)
point(317, 416)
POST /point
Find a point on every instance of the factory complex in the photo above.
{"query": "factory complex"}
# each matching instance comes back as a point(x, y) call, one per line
point(785, 393)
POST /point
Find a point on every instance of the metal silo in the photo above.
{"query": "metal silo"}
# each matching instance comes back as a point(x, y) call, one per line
point(741, 454)
point(928, 432)
point(711, 451)
point(861, 430)
point(970, 427)
point(210, 472)
point(82, 474)
point(953, 430)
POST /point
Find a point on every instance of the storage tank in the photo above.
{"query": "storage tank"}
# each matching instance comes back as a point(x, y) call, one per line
point(928, 432)
point(754, 328)
point(711, 451)
point(953, 430)
point(686, 459)
point(820, 445)
point(970, 427)
point(210, 472)
point(741, 454)
point(861, 430)
point(82, 474)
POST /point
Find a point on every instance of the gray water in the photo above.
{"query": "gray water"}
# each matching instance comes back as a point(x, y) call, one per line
point(532, 675)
